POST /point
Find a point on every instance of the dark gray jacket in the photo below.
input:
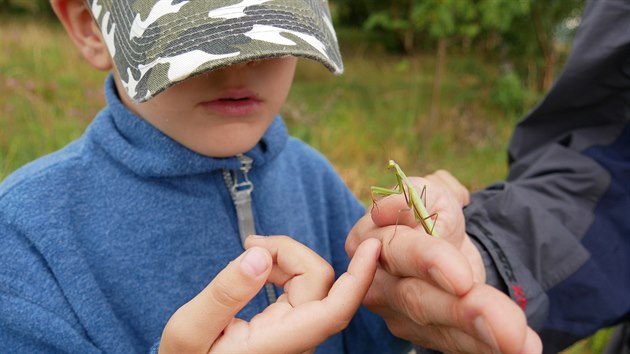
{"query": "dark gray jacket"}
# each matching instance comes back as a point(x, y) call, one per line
point(556, 233)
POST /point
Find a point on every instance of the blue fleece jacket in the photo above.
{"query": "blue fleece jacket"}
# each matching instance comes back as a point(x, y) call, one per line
point(103, 240)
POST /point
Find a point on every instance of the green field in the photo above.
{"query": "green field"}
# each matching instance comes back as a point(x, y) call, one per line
point(376, 111)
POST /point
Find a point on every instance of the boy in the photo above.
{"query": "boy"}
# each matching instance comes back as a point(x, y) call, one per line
point(105, 239)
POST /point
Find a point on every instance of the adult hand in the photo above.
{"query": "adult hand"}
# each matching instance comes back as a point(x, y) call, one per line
point(452, 185)
point(308, 312)
point(431, 291)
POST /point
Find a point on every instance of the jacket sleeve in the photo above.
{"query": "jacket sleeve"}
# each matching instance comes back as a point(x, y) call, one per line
point(556, 234)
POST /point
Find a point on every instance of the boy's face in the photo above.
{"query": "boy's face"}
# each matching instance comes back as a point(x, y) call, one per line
point(224, 112)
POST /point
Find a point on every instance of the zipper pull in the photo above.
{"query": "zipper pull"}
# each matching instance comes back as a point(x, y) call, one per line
point(246, 185)
point(241, 196)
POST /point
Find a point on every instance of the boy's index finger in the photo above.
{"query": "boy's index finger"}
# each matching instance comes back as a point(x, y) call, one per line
point(304, 274)
point(332, 314)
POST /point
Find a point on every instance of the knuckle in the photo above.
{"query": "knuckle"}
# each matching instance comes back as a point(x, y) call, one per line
point(328, 273)
point(223, 295)
point(412, 303)
point(321, 273)
point(284, 238)
point(443, 173)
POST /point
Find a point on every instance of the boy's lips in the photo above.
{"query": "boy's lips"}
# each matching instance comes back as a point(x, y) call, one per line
point(234, 103)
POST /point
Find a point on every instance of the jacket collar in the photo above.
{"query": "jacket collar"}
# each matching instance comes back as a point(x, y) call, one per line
point(142, 148)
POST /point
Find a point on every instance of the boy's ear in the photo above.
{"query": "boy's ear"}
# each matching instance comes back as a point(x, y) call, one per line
point(83, 31)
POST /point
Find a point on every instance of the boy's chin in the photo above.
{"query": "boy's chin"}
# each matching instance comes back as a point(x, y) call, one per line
point(223, 150)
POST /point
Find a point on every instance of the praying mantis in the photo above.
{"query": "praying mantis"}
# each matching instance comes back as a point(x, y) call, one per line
point(413, 199)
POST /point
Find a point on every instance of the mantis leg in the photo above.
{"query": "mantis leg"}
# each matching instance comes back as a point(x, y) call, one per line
point(391, 191)
point(430, 232)
point(423, 195)
point(383, 191)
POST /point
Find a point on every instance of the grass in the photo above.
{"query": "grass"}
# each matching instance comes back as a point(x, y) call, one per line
point(48, 95)
point(376, 111)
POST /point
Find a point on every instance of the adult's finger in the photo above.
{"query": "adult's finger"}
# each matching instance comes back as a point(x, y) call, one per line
point(423, 314)
point(197, 324)
point(304, 274)
point(452, 184)
point(444, 339)
point(408, 253)
point(332, 314)
point(483, 317)
point(533, 343)
point(455, 341)
point(411, 299)
point(495, 318)
point(361, 231)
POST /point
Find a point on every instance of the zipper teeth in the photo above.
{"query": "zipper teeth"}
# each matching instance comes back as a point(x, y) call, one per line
point(246, 163)
point(229, 181)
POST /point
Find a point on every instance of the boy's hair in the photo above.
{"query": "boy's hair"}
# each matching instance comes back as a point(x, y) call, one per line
point(156, 43)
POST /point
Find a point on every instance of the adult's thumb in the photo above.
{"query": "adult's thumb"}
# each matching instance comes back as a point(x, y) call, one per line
point(196, 325)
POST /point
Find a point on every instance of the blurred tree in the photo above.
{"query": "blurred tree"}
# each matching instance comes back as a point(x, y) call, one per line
point(546, 16)
point(442, 21)
point(39, 8)
point(526, 29)
point(353, 13)
point(538, 38)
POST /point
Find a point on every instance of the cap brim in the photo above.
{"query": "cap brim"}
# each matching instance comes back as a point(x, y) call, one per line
point(157, 44)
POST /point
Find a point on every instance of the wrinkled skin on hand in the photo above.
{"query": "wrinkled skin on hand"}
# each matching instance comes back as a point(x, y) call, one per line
point(432, 291)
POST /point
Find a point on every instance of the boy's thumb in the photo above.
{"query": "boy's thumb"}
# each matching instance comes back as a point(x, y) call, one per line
point(197, 324)
point(255, 262)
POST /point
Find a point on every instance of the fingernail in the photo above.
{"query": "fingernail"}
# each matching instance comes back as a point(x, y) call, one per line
point(486, 335)
point(254, 262)
point(439, 278)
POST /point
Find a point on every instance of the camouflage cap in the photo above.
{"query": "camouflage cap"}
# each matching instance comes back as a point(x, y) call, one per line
point(156, 43)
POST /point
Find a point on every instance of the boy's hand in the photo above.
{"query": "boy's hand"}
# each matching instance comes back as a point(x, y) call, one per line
point(432, 291)
point(306, 314)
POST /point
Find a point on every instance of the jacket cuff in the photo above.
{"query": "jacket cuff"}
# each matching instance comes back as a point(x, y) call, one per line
point(509, 276)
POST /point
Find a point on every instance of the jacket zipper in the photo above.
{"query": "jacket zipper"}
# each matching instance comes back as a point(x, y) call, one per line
point(241, 196)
